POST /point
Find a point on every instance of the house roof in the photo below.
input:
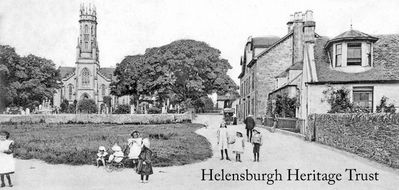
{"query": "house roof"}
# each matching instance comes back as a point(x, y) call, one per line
point(106, 71)
point(264, 41)
point(66, 71)
point(385, 63)
point(296, 66)
point(352, 35)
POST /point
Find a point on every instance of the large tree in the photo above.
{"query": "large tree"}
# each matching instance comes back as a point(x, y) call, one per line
point(188, 69)
point(183, 70)
point(29, 80)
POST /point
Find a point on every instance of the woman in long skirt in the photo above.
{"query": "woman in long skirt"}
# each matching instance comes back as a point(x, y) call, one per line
point(7, 162)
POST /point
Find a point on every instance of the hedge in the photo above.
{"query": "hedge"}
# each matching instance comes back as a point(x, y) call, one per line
point(374, 136)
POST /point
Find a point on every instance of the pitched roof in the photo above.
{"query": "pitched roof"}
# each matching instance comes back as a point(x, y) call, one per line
point(296, 66)
point(66, 71)
point(385, 63)
point(352, 35)
point(108, 72)
point(264, 41)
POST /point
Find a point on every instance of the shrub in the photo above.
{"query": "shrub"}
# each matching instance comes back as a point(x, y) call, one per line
point(338, 100)
point(64, 106)
point(122, 109)
point(383, 107)
point(284, 107)
point(87, 106)
point(154, 110)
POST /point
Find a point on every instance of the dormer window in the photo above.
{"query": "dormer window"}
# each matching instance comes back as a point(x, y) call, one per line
point(351, 51)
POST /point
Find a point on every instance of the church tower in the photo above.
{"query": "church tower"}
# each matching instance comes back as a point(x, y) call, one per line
point(87, 41)
point(87, 59)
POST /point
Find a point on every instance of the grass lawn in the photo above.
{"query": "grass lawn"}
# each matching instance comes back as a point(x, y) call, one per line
point(77, 144)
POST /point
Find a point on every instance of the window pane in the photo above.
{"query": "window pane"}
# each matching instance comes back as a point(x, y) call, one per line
point(338, 60)
point(339, 49)
point(354, 54)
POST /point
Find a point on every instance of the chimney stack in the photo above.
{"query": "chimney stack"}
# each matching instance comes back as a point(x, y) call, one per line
point(309, 27)
point(297, 37)
point(290, 23)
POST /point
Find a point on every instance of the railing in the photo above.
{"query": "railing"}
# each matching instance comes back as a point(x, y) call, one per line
point(291, 124)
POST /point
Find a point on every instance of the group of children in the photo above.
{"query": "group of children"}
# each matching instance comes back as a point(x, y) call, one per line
point(139, 153)
point(238, 143)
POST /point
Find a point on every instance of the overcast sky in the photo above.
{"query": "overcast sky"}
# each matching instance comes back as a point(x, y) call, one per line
point(49, 28)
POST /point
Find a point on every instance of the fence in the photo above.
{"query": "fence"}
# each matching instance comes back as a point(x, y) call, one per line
point(289, 124)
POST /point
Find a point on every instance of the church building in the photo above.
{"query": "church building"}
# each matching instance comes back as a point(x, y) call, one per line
point(87, 79)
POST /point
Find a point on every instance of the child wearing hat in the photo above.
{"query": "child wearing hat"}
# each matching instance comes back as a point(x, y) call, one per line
point(238, 146)
point(135, 143)
point(117, 156)
point(257, 142)
point(7, 162)
point(144, 167)
point(102, 152)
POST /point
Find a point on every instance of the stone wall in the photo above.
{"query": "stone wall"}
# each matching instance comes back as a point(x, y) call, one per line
point(268, 67)
point(98, 118)
point(374, 136)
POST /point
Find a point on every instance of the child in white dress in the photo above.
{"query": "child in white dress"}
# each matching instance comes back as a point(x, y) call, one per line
point(223, 140)
point(117, 156)
point(238, 146)
point(7, 162)
point(135, 143)
point(102, 152)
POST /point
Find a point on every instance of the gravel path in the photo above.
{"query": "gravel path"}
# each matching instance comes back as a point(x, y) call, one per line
point(279, 152)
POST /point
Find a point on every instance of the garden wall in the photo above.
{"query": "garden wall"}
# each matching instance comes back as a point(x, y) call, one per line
point(98, 118)
point(374, 136)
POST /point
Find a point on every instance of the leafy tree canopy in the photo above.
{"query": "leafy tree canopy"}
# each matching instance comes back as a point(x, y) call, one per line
point(184, 70)
point(28, 80)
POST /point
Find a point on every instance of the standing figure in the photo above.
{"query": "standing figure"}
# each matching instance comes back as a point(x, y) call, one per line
point(249, 125)
point(238, 146)
point(257, 142)
point(7, 162)
point(135, 143)
point(102, 153)
point(275, 122)
point(223, 139)
point(144, 167)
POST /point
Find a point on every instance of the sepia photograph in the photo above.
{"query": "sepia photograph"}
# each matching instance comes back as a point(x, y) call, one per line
point(199, 94)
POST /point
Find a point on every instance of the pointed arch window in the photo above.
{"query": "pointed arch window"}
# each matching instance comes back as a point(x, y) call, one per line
point(103, 90)
point(86, 29)
point(85, 77)
point(70, 91)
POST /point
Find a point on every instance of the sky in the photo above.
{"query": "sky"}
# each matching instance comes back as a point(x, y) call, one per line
point(49, 28)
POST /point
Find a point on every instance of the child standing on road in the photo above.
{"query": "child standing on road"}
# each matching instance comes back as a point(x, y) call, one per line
point(144, 167)
point(7, 162)
point(257, 142)
point(223, 140)
point(102, 152)
point(238, 146)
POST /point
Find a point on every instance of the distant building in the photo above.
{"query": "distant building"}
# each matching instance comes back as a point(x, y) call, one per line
point(87, 79)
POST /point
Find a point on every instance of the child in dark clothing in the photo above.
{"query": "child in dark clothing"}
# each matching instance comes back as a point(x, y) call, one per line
point(257, 142)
